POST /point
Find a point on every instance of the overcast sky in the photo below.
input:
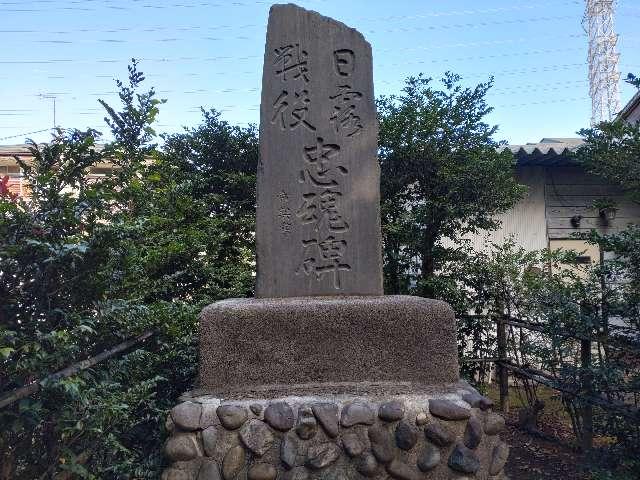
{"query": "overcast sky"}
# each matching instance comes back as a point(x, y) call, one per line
point(198, 53)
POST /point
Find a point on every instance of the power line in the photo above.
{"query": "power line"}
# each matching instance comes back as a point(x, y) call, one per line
point(132, 6)
point(23, 134)
point(477, 24)
point(154, 28)
point(251, 57)
point(544, 102)
point(497, 10)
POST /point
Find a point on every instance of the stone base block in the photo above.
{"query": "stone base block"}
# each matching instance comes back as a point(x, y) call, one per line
point(247, 344)
point(435, 433)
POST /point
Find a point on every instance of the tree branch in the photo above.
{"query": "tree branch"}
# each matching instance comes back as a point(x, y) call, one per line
point(34, 387)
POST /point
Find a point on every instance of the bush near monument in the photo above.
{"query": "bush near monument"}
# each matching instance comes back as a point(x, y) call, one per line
point(87, 265)
point(443, 176)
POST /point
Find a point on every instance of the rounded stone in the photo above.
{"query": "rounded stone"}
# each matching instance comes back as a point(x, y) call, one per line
point(327, 415)
point(356, 413)
point(232, 417)
point(209, 471)
point(498, 458)
point(473, 433)
point(280, 416)
point(289, 451)
point(298, 473)
point(209, 415)
point(352, 444)
point(233, 462)
point(256, 409)
point(439, 434)
point(182, 447)
point(381, 444)
point(186, 415)
point(463, 460)
point(209, 438)
point(448, 410)
point(175, 474)
point(257, 437)
point(421, 419)
point(493, 424)
point(476, 400)
point(191, 467)
point(402, 471)
point(322, 455)
point(307, 426)
point(367, 465)
point(262, 471)
point(429, 457)
point(406, 435)
point(391, 411)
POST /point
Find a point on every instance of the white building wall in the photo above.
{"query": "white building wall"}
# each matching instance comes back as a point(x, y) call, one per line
point(526, 222)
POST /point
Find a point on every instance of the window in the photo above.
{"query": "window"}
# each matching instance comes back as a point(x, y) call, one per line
point(587, 253)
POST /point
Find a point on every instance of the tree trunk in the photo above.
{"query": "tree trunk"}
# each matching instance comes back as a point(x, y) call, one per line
point(392, 270)
point(427, 267)
point(7, 462)
point(503, 372)
point(587, 387)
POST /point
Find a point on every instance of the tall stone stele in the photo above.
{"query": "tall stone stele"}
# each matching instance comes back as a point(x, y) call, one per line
point(321, 375)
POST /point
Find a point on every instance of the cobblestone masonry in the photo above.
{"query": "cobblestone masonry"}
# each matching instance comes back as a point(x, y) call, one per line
point(448, 432)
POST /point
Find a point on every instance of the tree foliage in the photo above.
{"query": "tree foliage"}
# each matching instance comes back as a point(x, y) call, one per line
point(443, 176)
point(89, 261)
point(612, 151)
point(566, 303)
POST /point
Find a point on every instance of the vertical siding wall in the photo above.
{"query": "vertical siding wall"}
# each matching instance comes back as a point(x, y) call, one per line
point(555, 195)
point(526, 222)
point(569, 191)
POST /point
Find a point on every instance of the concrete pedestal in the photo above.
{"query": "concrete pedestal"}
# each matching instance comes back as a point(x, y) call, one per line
point(332, 388)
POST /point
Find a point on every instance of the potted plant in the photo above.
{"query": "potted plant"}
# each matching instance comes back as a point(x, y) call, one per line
point(606, 209)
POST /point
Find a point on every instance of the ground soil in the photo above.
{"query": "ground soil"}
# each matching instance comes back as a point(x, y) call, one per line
point(534, 457)
point(550, 454)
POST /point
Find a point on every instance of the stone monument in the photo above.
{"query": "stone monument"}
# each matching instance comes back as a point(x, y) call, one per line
point(321, 376)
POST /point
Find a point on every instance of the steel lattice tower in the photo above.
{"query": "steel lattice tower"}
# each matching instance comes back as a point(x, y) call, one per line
point(603, 60)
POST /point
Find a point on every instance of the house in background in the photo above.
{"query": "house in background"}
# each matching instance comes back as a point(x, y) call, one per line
point(10, 168)
point(17, 184)
point(631, 111)
point(562, 198)
point(560, 201)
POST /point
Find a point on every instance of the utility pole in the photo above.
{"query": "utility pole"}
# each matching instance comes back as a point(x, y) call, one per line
point(52, 97)
point(598, 22)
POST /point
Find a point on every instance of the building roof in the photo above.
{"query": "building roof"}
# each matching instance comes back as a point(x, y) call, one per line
point(10, 150)
point(550, 151)
point(630, 107)
point(547, 152)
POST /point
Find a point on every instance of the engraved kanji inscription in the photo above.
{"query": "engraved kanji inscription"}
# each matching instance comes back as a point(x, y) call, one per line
point(344, 61)
point(321, 156)
point(330, 248)
point(323, 211)
point(310, 266)
point(344, 119)
point(285, 213)
point(331, 251)
point(291, 111)
point(292, 60)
